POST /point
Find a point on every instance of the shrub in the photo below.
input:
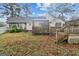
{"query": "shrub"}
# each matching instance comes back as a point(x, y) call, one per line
point(17, 30)
point(14, 29)
point(11, 30)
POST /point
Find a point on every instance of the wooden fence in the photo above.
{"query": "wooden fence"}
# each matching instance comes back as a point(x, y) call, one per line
point(3, 29)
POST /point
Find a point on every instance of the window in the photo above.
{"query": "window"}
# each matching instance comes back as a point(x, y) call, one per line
point(58, 25)
point(30, 24)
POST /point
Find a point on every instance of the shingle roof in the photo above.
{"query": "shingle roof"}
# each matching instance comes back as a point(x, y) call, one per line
point(38, 18)
point(18, 20)
point(73, 22)
point(23, 19)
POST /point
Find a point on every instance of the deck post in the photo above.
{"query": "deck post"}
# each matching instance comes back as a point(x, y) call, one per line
point(56, 35)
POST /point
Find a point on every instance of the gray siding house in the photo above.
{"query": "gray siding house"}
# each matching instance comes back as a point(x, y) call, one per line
point(27, 23)
point(21, 23)
point(73, 31)
point(55, 22)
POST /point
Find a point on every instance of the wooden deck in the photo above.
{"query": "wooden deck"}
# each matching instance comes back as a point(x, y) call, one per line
point(73, 39)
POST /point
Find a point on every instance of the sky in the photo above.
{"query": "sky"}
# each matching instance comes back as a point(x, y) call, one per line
point(35, 9)
point(39, 9)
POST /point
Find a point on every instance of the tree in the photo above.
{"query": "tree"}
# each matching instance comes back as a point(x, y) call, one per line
point(60, 10)
point(74, 16)
point(10, 9)
point(26, 9)
point(17, 10)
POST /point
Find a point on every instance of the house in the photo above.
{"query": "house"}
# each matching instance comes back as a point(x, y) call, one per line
point(27, 23)
point(55, 22)
point(73, 26)
point(73, 31)
point(52, 23)
point(21, 23)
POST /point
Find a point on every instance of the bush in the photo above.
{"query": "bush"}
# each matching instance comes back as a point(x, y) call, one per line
point(14, 29)
point(11, 30)
point(18, 30)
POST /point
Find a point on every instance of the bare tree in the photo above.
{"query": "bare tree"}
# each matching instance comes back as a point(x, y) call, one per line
point(10, 9)
point(26, 9)
point(60, 10)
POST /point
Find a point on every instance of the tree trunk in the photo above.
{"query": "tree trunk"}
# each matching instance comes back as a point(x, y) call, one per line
point(12, 12)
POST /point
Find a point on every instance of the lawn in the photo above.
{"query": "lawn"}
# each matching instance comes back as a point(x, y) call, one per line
point(26, 44)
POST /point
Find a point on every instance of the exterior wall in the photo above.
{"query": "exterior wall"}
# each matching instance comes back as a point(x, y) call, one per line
point(52, 24)
point(23, 26)
point(10, 25)
point(74, 29)
point(20, 26)
point(29, 26)
point(7, 25)
point(13, 25)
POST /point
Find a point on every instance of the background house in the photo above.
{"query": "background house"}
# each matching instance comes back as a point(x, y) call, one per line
point(55, 22)
point(73, 26)
point(30, 22)
point(21, 23)
point(73, 31)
